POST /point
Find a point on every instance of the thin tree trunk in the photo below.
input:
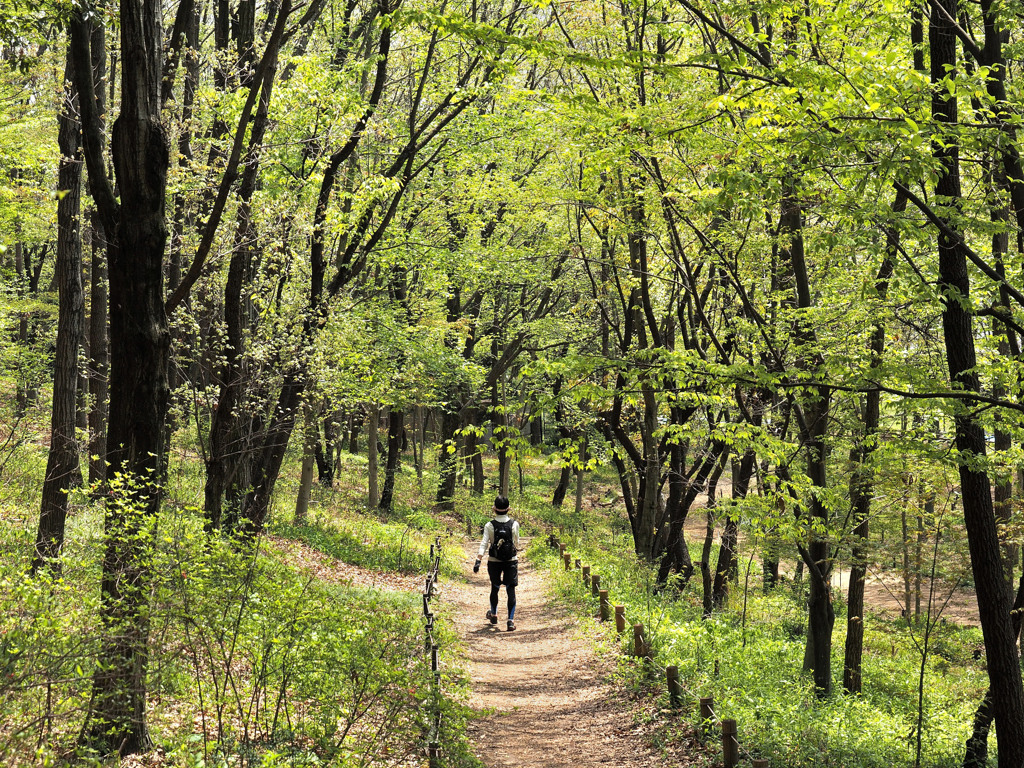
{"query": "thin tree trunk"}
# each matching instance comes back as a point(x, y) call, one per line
point(312, 434)
point(372, 455)
point(447, 458)
point(727, 562)
point(396, 428)
point(63, 471)
point(99, 358)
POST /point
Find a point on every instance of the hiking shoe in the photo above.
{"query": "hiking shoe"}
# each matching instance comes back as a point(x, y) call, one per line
point(511, 625)
point(492, 617)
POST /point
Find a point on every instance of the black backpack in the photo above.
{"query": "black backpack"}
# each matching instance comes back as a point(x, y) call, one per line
point(502, 547)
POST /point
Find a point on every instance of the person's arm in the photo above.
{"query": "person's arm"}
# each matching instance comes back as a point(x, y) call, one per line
point(515, 534)
point(485, 542)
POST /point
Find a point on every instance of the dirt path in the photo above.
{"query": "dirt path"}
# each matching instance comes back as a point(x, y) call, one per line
point(542, 685)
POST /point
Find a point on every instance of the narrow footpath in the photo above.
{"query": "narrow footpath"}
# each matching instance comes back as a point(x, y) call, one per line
point(541, 687)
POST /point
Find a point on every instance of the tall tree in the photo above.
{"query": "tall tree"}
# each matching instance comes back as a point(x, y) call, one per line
point(136, 234)
point(63, 471)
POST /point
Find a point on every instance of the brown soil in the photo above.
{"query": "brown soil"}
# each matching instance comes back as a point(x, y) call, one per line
point(543, 694)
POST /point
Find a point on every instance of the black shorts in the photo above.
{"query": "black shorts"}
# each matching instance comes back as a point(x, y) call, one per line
point(503, 572)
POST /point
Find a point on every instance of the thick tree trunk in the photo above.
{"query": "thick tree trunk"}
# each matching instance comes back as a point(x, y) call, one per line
point(1005, 688)
point(139, 344)
point(63, 470)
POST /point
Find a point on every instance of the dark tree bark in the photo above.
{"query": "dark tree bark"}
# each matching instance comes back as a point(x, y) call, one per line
point(862, 480)
point(396, 427)
point(563, 485)
point(63, 470)
point(447, 458)
point(99, 357)
point(227, 466)
point(1005, 688)
point(725, 569)
point(976, 752)
point(139, 344)
point(812, 414)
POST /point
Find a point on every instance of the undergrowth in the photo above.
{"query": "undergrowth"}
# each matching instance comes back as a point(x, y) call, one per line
point(252, 662)
point(748, 657)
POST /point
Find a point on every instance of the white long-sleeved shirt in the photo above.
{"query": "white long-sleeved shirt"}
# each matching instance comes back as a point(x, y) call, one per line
point(485, 542)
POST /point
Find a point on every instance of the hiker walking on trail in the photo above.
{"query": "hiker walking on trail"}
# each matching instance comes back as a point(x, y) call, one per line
point(501, 543)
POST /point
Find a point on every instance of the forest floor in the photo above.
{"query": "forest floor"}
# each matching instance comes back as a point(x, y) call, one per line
point(543, 695)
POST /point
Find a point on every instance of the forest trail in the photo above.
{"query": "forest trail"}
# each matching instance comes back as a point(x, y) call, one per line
point(541, 687)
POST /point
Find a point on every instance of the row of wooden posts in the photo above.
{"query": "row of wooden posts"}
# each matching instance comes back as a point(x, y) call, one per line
point(642, 649)
point(429, 590)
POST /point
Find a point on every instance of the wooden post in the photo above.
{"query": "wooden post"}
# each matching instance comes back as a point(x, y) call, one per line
point(675, 691)
point(433, 660)
point(432, 756)
point(586, 576)
point(605, 610)
point(620, 618)
point(707, 715)
point(730, 744)
point(577, 563)
point(568, 561)
point(561, 549)
point(759, 762)
point(639, 643)
point(595, 588)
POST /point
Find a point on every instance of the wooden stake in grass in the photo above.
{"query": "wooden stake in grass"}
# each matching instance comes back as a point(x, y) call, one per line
point(595, 588)
point(675, 691)
point(605, 609)
point(759, 763)
point(639, 642)
point(620, 618)
point(586, 576)
point(730, 744)
point(577, 563)
point(561, 549)
point(707, 715)
point(568, 561)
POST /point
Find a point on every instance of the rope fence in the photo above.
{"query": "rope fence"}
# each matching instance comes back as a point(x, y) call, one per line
point(641, 648)
point(431, 647)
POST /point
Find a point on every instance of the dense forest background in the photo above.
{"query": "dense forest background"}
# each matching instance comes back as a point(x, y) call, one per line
point(760, 258)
